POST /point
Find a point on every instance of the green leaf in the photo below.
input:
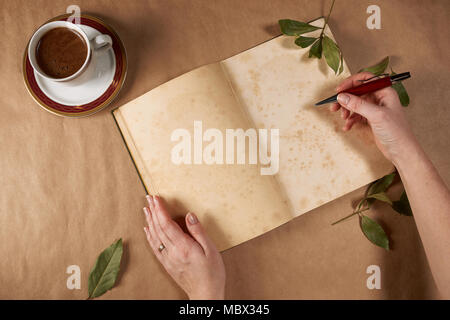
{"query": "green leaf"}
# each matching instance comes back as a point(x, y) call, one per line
point(402, 206)
point(341, 68)
point(380, 196)
point(316, 49)
point(332, 53)
point(104, 273)
point(402, 94)
point(374, 232)
point(304, 42)
point(380, 185)
point(401, 91)
point(295, 28)
point(379, 68)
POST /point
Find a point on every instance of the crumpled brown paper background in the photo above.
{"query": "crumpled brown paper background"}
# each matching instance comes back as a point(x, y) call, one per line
point(68, 187)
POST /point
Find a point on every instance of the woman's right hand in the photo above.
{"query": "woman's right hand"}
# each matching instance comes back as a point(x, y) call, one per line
point(430, 204)
point(384, 113)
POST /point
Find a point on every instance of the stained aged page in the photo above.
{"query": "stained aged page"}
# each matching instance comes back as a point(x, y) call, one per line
point(233, 201)
point(278, 84)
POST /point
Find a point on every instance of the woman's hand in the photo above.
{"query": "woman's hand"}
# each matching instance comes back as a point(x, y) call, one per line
point(193, 261)
point(382, 110)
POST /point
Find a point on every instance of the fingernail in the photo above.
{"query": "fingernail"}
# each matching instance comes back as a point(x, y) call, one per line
point(192, 218)
point(343, 98)
point(145, 211)
point(145, 229)
point(149, 199)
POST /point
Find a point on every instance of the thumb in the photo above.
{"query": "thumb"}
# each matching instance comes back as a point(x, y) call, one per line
point(198, 233)
point(357, 105)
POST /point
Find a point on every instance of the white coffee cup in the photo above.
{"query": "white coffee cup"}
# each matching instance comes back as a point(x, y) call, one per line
point(98, 43)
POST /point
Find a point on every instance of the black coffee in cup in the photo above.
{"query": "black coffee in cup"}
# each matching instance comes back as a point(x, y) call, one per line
point(61, 52)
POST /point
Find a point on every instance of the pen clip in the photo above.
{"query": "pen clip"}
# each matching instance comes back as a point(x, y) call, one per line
point(400, 77)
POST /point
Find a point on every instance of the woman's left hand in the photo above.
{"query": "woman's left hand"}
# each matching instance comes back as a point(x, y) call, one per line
point(193, 261)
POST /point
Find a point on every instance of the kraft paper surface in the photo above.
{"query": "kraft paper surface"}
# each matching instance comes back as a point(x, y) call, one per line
point(69, 189)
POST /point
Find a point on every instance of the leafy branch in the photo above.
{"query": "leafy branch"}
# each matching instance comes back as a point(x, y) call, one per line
point(331, 51)
point(377, 191)
point(321, 44)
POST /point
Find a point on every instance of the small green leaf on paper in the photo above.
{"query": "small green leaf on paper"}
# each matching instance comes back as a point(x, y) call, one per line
point(379, 68)
point(374, 232)
point(341, 68)
point(402, 206)
point(104, 273)
point(316, 49)
point(332, 53)
point(295, 28)
point(304, 42)
point(380, 196)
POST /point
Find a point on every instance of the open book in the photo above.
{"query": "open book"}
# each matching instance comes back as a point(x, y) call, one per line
point(271, 86)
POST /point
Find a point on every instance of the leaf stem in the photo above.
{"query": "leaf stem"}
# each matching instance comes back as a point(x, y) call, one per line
point(350, 215)
point(326, 20)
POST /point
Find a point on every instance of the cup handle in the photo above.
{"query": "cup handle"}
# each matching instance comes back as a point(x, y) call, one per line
point(101, 43)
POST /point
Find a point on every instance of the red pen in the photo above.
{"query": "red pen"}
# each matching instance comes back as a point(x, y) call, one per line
point(369, 86)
